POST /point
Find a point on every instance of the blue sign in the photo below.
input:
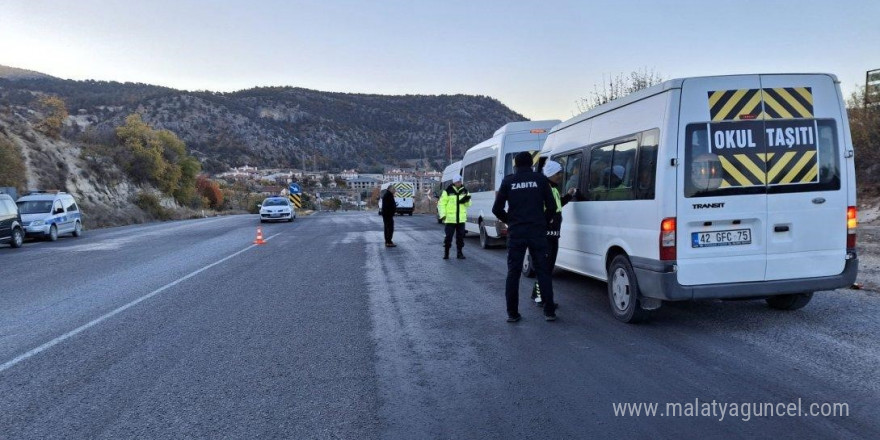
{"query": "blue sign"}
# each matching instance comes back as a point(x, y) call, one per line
point(294, 188)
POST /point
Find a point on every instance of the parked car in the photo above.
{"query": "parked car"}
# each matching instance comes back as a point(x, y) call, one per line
point(11, 230)
point(48, 215)
point(277, 209)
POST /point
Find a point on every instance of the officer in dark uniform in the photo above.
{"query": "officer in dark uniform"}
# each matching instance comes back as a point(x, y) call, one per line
point(389, 208)
point(530, 208)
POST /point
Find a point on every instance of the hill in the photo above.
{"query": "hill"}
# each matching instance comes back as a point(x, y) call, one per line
point(276, 126)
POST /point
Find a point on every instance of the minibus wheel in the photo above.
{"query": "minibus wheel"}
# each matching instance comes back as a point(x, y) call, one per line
point(623, 292)
point(791, 301)
point(484, 237)
point(528, 269)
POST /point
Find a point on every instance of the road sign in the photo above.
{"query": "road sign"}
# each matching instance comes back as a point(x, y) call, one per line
point(295, 195)
point(872, 87)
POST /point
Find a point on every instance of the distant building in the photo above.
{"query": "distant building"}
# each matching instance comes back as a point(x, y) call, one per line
point(348, 174)
point(363, 183)
point(398, 175)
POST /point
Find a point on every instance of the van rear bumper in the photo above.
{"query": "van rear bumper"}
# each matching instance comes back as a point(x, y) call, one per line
point(657, 279)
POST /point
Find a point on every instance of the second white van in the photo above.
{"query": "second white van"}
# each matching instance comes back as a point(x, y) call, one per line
point(484, 166)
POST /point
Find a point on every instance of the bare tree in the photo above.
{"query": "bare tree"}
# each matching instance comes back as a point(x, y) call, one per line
point(618, 86)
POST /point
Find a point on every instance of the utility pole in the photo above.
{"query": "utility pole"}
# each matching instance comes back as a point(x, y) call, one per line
point(449, 127)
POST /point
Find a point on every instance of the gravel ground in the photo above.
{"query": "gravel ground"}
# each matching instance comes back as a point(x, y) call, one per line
point(868, 245)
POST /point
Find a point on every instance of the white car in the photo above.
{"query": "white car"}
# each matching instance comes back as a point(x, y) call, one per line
point(277, 209)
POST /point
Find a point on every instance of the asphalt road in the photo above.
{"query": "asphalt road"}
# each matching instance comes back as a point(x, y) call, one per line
point(186, 330)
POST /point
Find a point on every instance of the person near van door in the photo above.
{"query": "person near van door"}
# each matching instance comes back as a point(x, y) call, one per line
point(553, 171)
point(530, 207)
point(452, 210)
point(389, 209)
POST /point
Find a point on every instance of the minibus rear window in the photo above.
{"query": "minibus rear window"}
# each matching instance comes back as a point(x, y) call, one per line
point(758, 157)
point(510, 168)
point(828, 154)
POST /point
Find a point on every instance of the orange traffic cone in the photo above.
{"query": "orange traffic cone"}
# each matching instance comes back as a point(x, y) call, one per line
point(259, 239)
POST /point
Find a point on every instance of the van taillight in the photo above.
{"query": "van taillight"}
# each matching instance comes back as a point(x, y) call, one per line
point(852, 222)
point(667, 239)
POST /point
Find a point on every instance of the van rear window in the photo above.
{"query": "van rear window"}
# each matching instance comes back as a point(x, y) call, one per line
point(758, 157)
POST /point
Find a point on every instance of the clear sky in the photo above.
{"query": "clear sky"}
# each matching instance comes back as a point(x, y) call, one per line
point(537, 57)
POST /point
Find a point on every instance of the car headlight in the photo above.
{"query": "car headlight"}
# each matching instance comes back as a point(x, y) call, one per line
point(38, 223)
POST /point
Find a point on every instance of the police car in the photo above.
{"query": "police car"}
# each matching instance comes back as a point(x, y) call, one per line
point(277, 209)
point(49, 214)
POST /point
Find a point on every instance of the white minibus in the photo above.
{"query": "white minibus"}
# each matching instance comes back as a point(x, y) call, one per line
point(485, 165)
point(715, 187)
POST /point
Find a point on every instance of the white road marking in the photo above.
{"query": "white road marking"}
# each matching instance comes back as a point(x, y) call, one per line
point(9, 364)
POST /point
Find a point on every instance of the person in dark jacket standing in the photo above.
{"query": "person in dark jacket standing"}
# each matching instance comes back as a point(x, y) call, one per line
point(530, 209)
point(389, 209)
point(553, 171)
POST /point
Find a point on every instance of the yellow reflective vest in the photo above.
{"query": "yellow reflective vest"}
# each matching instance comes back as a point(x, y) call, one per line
point(449, 205)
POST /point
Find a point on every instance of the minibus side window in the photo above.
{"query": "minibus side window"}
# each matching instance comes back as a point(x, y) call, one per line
point(600, 167)
point(622, 173)
point(478, 176)
point(647, 165)
point(571, 171)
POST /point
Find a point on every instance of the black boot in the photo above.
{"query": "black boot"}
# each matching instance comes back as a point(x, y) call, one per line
point(446, 253)
point(460, 255)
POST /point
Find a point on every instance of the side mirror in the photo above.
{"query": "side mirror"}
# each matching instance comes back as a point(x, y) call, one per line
point(259, 205)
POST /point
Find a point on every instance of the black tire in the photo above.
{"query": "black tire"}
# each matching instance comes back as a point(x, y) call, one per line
point(262, 221)
point(17, 238)
point(53, 233)
point(484, 238)
point(410, 214)
point(528, 269)
point(793, 301)
point(77, 230)
point(625, 304)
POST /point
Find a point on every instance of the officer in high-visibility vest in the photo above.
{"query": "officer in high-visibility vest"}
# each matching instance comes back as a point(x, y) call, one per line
point(553, 171)
point(452, 210)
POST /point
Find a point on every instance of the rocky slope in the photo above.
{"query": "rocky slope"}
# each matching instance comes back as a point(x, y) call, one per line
point(280, 126)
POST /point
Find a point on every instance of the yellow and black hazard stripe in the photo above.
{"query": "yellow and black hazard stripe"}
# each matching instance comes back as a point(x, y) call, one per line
point(743, 170)
point(788, 102)
point(754, 169)
point(792, 167)
point(296, 199)
point(735, 105)
point(761, 104)
point(404, 190)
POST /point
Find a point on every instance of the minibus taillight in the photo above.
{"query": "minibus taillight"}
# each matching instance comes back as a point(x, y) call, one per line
point(852, 222)
point(667, 239)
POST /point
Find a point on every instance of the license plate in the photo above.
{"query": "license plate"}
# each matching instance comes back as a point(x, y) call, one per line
point(730, 237)
point(276, 215)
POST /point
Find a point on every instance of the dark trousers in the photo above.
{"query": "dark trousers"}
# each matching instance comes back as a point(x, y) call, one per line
point(388, 220)
point(456, 229)
point(516, 251)
point(552, 252)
